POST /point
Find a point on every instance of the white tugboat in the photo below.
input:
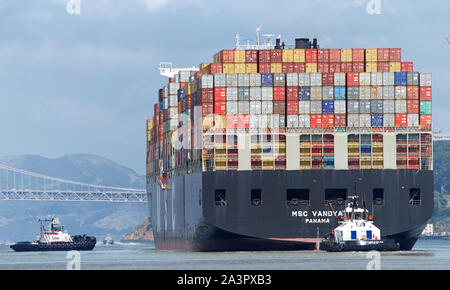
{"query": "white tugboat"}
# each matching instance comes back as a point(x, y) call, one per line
point(108, 240)
point(357, 232)
point(56, 239)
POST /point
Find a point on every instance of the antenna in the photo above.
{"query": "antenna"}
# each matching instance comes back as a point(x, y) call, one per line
point(238, 46)
point(268, 40)
point(258, 36)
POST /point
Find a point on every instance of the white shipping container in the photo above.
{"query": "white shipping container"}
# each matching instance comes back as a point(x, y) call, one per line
point(304, 107)
point(316, 79)
point(166, 103)
point(364, 79)
point(278, 121)
point(173, 124)
point(340, 107)
point(400, 106)
point(376, 93)
point(328, 93)
point(220, 80)
point(232, 93)
point(389, 106)
point(316, 107)
point(255, 80)
point(353, 120)
point(292, 121)
point(243, 107)
point(232, 108)
point(353, 107)
point(400, 92)
point(173, 101)
point(205, 82)
point(316, 93)
point(265, 121)
point(255, 93)
point(425, 79)
point(339, 79)
point(292, 79)
point(364, 92)
point(413, 120)
point(174, 87)
point(267, 93)
point(304, 121)
point(388, 92)
point(266, 107)
point(304, 79)
point(388, 79)
point(232, 80)
point(389, 120)
point(255, 107)
point(243, 80)
point(365, 120)
point(254, 121)
point(184, 75)
point(376, 79)
point(173, 112)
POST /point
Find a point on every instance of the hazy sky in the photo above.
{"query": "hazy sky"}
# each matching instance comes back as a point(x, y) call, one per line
point(86, 83)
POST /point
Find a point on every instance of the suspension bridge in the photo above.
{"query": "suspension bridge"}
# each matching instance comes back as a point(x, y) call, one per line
point(17, 184)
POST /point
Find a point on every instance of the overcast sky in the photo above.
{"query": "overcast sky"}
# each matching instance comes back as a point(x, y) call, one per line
point(86, 83)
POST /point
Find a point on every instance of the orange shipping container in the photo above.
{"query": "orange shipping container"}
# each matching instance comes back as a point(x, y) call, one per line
point(412, 92)
point(311, 55)
point(358, 54)
point(425, 122)
point(227, 56)
point(383, 54)
point(335, 55)
point(324, 55)
point(395, 54)
point(413, 106)
point(425, 93)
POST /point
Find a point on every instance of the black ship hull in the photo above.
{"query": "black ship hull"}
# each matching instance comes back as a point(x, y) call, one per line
point(189, 215)
point(80, 244)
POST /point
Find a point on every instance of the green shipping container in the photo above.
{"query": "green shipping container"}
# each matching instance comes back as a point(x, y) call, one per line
point(425, 107)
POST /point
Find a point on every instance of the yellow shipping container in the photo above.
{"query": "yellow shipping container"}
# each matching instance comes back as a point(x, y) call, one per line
point(395, 66)
point(371, 54)
point(288, 55)
point(299, 55)
point(251, 68)
point(239, 68)
point(220, 122)
point(346, 55)
point(149, 124)
point(372, 66)
point(228, 68)
point(311, 67)
point(239, 55)
point(276, 68)
point(207, 123)
point(203, 65)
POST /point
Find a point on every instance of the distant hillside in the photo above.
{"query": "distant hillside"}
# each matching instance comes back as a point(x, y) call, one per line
point(18, 219)
point(442, 166)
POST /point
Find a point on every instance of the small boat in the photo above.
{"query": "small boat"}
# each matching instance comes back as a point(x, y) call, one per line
point(55, 239)
point(108, 240)
point(357, 232)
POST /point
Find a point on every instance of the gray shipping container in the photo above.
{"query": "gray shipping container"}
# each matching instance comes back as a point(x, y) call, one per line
point(206, 82)
point(364, 92)
point(243, 80)
point(353, 107)
point(412, 78)
point(304, 107)
point(279, 80)
point(376, 107)
point(255, 80)
point(243, 107)
point(365, 120)
point(328, 93)
point(267, 93)
point(364, 107)
point(316, 79)
point(292, 79)
point(304, 80)
point(388, 92)
point(388, 79)
point(255, 93)
point(353, 120)
point(292, 121)
point(400, 106)
point(389, 107)
point(353, 93)
point(376, 79)
point(340, 80)
point(266, 107)
point(316, 93)
point(316, 107)
point(220, 80)
point(232, 93)
point(388, 120)
point(425, 79)
point(340, 107)
point(413, 120)
point(304, 121)
point(364, 79)
point(244, 94)
point(232, 108)
point(232, 80)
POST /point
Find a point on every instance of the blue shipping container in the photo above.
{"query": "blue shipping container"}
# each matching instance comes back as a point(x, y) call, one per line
point(328, 107)
point(339, 93)
point(328, 162)
point(180, 94)
point(267, 80)
point(400, 78)
point(304, 93)
point(377, 120)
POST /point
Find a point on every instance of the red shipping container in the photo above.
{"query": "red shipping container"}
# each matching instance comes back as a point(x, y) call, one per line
point(413, 106)
point(401, 120)
point(287, 67)
point(279, 107)
point(323, 67)
point(328, 121)
point(264, 55)
point(279, 93)
point(160, 95)
point(425, 93)
point(232, 121)
point(335, 67)
point(243, 121)
point(220, 94)
point(251, 56)
point(335, 55)
point(299, 67)
point(346, 67)
point(220, 108)
point(358, 54)
point(412, 92)
point(353, 79)
point(182, 84)
point(292, 93)
point(383, 54)
point(264, 68)
point(383, 67)
point(327, 79)
point(358, 67)
point(276, 55)
point(323, 55)
point(206, 95)
point(340, 120)
point(207, 109)
point(227, 56)
point(180, 106)
point(425, 121)
point(407, 67)
point(215, 68)
point(395, 54)
point(316, 121)
point(156, 109)
point(311, 55)
point(190, 102)
point(292, 108)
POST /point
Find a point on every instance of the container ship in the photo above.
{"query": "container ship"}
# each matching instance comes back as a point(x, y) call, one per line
point(260, 148)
